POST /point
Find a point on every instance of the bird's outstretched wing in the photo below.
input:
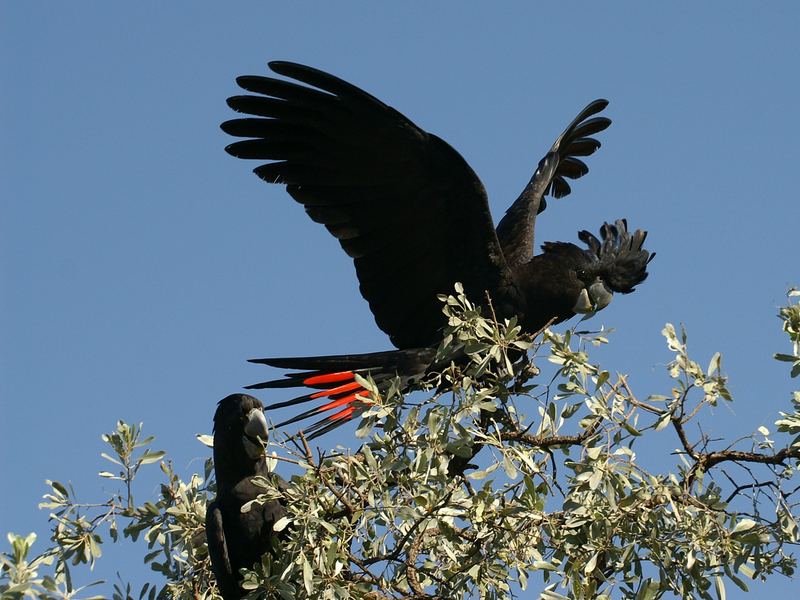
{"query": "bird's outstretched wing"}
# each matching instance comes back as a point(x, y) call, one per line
point(516, 229)
point(402, 203)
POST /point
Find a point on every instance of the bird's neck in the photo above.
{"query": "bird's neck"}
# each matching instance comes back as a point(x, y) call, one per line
point(551, 286)
point(233, 466)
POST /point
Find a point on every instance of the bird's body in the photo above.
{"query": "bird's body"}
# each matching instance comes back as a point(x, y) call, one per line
point(238, 539)
point(415, 219)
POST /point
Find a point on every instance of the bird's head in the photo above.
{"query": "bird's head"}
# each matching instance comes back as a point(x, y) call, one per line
point(615, 263)
point(565, 279)
point(240, 430)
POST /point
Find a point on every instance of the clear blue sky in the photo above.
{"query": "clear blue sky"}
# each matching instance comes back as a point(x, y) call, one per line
point(141, 265)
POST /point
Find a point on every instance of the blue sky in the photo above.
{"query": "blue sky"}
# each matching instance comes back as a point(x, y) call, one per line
point(141, 265)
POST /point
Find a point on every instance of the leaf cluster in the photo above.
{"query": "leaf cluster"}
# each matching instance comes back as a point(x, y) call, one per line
point(489, 479)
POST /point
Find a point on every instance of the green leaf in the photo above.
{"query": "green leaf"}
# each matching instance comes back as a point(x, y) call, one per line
point(111, 458)
point(151, 457)
point(732, 576)
point(205, 439)
point(719, 587)
point(601, 379)
point(551, 595)
point(744, 525)
point(308, 576)
point(630, 429)
point(647, 590)
point(594, 452)
point(596, 479)
point(478, 475)
point(714, 364)
point(510, 469)
point(591, 564)
point(281, 524)
point(663, 421)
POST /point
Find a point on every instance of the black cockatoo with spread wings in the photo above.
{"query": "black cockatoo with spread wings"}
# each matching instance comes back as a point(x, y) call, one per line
point(415, 219)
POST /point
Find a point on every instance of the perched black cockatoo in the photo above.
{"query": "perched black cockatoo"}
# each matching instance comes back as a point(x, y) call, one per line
point(235, 539)
point(415, 219)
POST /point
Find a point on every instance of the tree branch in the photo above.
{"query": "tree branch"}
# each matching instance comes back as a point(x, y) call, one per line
point(550, 441)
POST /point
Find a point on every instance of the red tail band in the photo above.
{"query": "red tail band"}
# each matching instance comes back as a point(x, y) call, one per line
point(342, 414)
point(347, 387)
point(329, 378)
point(336, 403)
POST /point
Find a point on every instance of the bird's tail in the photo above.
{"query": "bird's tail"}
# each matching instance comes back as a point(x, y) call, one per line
point(334, 380)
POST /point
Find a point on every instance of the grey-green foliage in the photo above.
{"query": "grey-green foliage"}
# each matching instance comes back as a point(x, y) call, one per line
point(556, 501)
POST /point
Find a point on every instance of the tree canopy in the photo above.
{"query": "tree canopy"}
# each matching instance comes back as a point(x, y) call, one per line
point(497, 475)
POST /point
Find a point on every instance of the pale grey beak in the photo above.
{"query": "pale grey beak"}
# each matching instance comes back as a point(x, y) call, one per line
point(584, 304)
point(600, 295)
point(593, 300)
point(256, 433)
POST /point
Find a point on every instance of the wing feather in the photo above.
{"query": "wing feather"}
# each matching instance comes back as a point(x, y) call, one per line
point(516, 230)
point(401, 202)
point(218, 552)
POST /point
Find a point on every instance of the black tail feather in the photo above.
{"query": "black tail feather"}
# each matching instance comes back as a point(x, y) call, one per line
point(323, 426)
point(290, 380)
point(334, 379)
point(329, 364)
point(339, 401)
point(292, 402)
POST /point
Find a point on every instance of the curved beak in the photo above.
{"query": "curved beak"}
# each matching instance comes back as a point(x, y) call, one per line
point(593, 299)
point(584, 304)
point(600, 295)
point(256, 433)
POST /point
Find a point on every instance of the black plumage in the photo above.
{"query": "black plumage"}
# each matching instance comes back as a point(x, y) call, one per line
point(415, 218)
point(238, 540)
